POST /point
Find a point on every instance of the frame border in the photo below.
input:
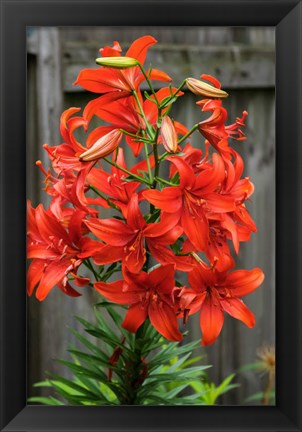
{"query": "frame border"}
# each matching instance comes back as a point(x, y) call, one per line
point(286, 15)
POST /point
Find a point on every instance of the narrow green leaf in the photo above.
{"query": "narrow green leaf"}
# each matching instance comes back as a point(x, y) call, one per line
point(45, 400)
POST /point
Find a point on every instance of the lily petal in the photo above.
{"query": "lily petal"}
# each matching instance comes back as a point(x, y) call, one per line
point(237, 309)
point(135, 317)
point(243, 282)
point(211, 319)
point(163, 318)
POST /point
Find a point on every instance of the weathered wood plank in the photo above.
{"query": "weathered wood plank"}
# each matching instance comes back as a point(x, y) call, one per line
point(234, 65)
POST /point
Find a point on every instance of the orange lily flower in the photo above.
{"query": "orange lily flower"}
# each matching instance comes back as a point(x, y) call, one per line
point(213, 293)
point(194, 199)
point(55, 252)
point(125, 241)
point(149, 295)
point(104, 79)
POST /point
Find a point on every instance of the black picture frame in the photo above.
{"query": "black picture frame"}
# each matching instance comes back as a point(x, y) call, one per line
point(286, 16)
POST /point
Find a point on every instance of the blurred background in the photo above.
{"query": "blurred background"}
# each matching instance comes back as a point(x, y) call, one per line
point(243, 59)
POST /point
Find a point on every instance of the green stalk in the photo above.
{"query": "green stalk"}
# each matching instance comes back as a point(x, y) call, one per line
point(173, 95)
point(188, 134)
point(135, 375)
point(138, 138)
point(112, 205)
point(148, 163)
point(164, 181)
point(138, 178)
point(148, 126)
point(149, 83)
point(88, 264)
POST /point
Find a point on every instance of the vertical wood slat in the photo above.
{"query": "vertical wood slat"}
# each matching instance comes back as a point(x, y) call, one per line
point(47, 321)
point(237, 344)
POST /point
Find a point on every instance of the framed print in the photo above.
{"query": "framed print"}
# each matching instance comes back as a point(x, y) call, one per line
point(25, 335)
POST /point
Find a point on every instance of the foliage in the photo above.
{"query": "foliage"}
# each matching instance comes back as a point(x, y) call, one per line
point(122, 368)
point(265, 367)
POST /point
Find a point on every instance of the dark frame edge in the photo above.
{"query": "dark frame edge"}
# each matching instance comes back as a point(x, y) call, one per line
point(286, 416)
point(289, 183)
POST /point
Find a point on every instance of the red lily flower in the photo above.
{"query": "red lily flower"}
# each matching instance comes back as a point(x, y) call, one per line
point(213, 293)
point(104, 80)
point(55, 252)
point(214, 128)
point(67, 157)
point(194, 199)
point(63, 191)
point(125, 241)
point(149, 295)
point(239, 223)
point(193, 157)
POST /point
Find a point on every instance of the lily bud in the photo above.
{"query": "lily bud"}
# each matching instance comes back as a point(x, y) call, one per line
point(169, 135)
point(201, 88)
point(103, 146)
point(117, 62)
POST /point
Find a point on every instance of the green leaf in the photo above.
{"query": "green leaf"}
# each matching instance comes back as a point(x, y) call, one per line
point(251, 366)
point(96, 350)
point(45, 400)
point(68, 385)
point(259, 396)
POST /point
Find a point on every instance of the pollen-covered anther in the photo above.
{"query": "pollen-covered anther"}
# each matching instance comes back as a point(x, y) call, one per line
point(185, 316)
point(155, 297)
point(201, 201)
point(215, 261)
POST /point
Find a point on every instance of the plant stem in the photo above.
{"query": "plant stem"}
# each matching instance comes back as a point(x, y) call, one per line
point(148, 126)
point(173, 95)
point(88, 264)
point(139, 178)
point(104, 198)
point(149, 83)
point(137, 370)
point(267, 392)
point(137, 137)
point(188, 134)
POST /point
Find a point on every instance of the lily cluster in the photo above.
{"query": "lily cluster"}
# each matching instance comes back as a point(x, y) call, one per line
point(196, 217)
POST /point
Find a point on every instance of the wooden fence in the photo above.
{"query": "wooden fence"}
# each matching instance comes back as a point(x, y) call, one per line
point(243, 59)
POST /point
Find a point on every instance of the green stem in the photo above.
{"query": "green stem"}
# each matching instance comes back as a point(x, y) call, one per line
point(156, 161)
point(164, 181)
point(112, 205)
point(136, 371)
point(188, 134)
point(139, 178)
point(88, 264)
point(148, 163)
point(173, 95)
point(137, 137)
point(163, 156)
point(148, 126)
point(149, 83)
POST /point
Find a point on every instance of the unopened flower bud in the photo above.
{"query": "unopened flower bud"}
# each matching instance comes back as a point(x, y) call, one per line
point(117, 62)
point(103, 146)
point(201, 88)
point(169, 135)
